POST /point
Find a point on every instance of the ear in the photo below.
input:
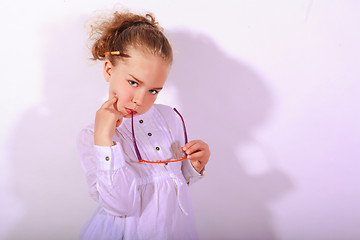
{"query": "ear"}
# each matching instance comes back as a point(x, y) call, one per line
point(108, 67)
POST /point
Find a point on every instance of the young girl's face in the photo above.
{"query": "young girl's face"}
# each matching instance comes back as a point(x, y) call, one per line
point(136, 81)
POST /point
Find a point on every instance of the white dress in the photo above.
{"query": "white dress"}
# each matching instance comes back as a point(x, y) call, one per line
point(140, 200)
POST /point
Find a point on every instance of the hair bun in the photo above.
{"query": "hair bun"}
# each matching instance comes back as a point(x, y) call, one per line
point(126, 29)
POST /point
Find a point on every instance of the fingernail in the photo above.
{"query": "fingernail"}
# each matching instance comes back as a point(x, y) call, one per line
point(187, 152)
point(184, 149)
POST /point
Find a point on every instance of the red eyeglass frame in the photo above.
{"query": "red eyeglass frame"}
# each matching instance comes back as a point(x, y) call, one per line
point(158, 162)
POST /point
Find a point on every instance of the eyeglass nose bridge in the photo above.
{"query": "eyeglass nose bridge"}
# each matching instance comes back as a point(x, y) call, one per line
point(134, 139)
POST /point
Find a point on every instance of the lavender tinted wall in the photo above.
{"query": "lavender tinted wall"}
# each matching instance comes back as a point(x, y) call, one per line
point(271, 86)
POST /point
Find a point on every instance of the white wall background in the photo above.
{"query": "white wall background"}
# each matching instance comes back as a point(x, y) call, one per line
point(272, 86)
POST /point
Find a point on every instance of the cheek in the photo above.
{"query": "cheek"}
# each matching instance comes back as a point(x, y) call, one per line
point(124, 97)
point(123, 100)
point(150, 100)
point(121, 90)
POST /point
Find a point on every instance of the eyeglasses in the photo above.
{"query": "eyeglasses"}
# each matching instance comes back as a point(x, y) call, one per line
point(137, 150)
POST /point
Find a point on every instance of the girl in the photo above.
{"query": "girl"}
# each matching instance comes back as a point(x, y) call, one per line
point(136, 157)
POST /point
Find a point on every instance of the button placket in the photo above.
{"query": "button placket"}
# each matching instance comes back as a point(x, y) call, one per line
point(153, 143)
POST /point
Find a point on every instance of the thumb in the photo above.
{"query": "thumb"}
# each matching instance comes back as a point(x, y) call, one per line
point(120, 117)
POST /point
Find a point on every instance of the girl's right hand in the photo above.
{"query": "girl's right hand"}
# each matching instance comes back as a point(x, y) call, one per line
point(107, 118)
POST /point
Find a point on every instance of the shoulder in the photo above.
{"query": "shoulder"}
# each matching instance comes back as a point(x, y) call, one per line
point(170, 115)
point(88, 128)
point(165, 111)
point(163, 108)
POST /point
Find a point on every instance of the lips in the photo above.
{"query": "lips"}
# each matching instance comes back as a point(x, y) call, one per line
point(129, 111)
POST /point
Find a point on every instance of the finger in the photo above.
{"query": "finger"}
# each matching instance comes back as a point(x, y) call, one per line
point(189, 144)
point(110, 102)
point(197, 156)
point(119, 116)
point(197, 164)
point(115, 106)
point(195, 147)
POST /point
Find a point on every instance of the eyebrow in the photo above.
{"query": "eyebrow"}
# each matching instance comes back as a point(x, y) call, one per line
point(143, 82)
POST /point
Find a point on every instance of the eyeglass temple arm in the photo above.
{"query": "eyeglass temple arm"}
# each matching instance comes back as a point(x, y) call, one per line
point(183, 122)
point(133, 134)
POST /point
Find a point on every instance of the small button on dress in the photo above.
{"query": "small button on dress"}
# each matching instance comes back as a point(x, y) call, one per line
point(141, 121)
point(157, 148)
point(149, 134)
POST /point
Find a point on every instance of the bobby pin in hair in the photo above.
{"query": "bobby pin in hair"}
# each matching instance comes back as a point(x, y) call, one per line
point(112, 53)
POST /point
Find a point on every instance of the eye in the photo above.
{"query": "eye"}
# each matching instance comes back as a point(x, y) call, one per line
point(153, 92)
point(133, 83)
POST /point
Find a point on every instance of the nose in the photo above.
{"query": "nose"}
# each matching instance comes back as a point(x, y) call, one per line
point(139, 97)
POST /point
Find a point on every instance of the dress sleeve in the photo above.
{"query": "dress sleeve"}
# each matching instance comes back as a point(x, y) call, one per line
point(111, 182)
point(189, 172)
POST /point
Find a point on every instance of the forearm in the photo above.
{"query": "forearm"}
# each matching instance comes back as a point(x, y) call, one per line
point(115, 182)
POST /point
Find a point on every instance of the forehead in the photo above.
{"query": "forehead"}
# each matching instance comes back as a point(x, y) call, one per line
point(144, 66)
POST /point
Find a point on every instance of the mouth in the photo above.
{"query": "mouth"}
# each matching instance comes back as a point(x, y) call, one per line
point(129, 111)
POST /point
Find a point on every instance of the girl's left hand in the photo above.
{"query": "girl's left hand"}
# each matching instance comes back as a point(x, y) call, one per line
point(198, 153)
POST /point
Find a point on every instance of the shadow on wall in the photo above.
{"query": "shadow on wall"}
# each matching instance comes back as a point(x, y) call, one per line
point(47, 175)
point(224, 102)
